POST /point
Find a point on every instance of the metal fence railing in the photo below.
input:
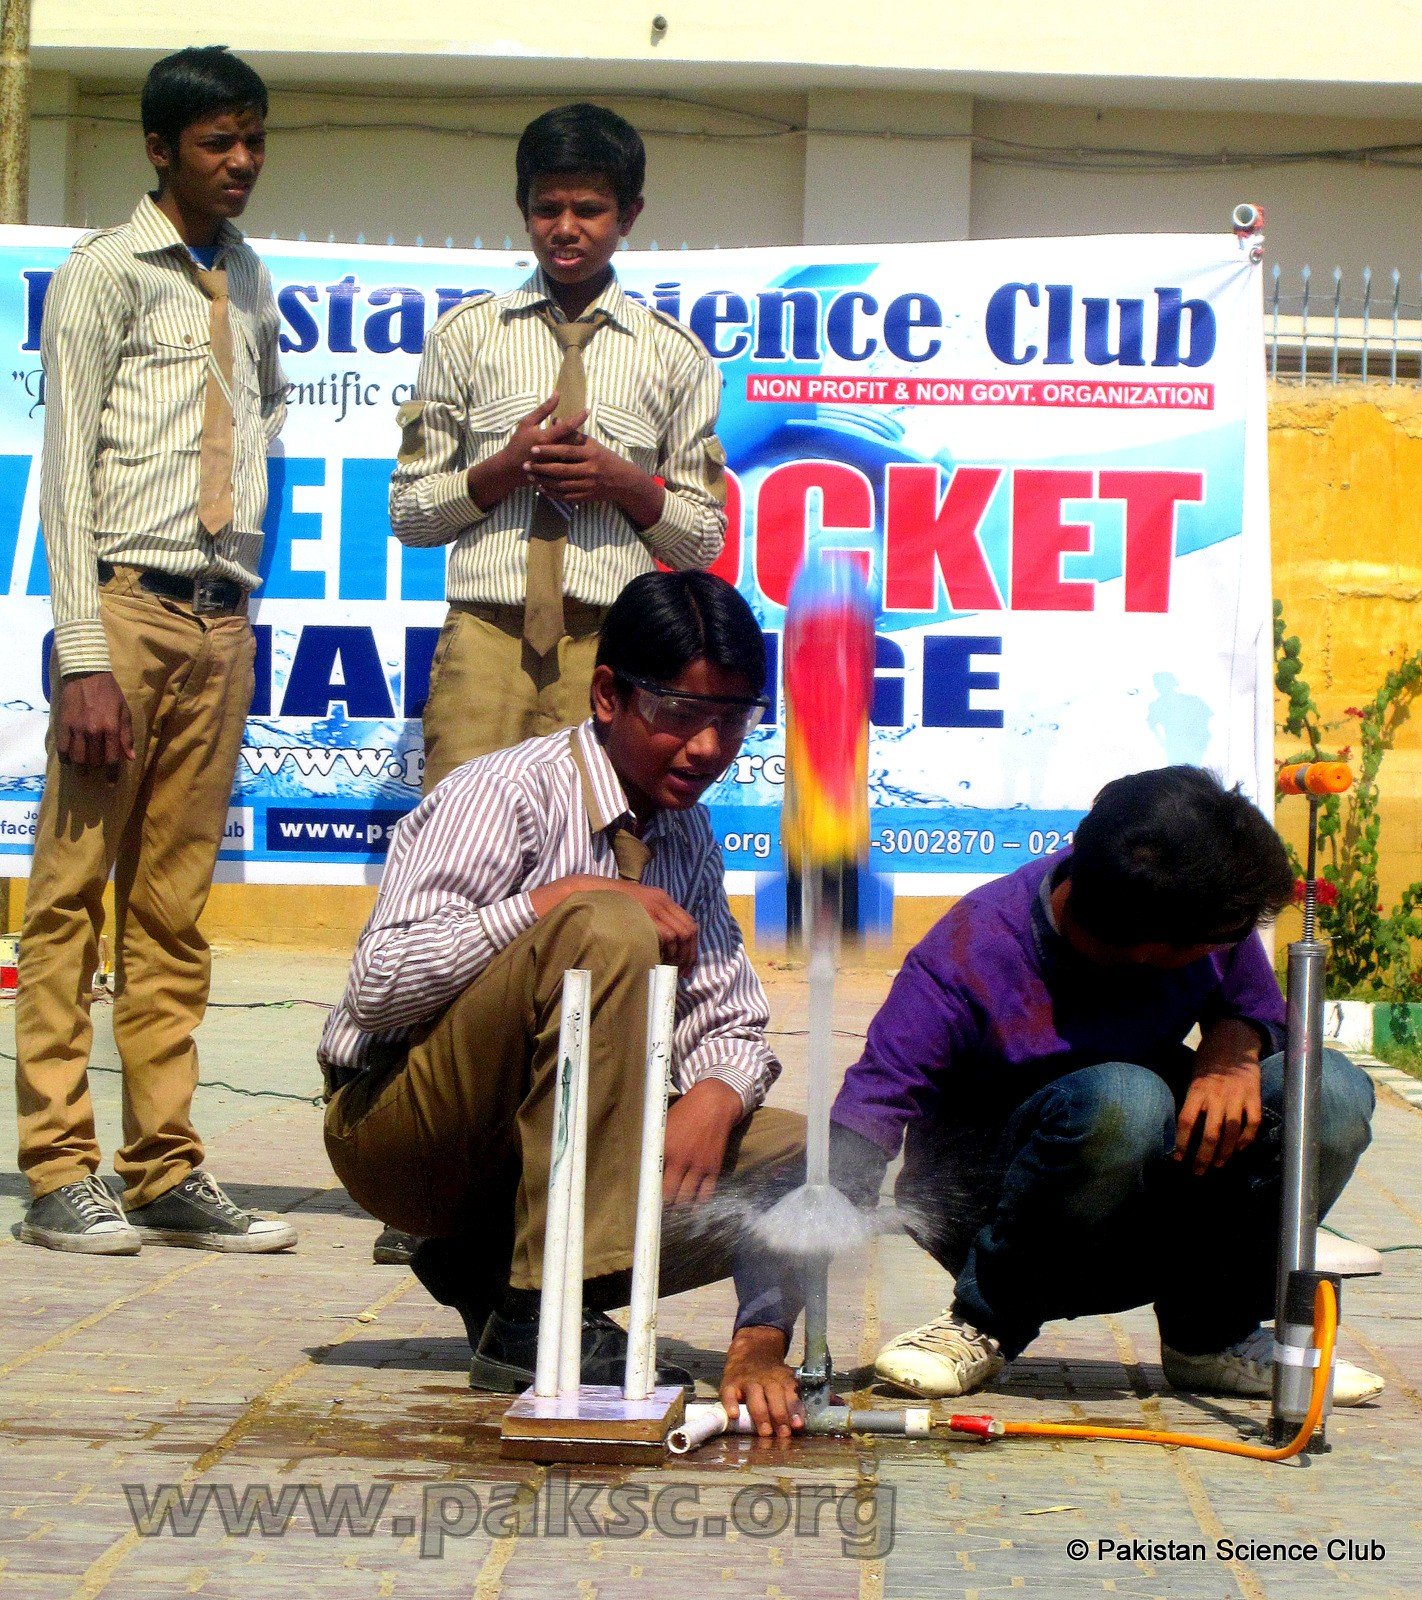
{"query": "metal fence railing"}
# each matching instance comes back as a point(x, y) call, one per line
point(1326, 331)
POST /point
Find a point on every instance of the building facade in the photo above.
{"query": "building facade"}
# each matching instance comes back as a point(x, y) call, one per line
point(787, 122)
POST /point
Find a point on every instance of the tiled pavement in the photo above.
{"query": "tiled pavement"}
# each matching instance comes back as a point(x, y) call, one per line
point(303, 1373)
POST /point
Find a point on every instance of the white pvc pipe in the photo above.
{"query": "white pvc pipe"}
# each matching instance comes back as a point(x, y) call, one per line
point(705, 1422)
point(577, 1000)
point(640, 1375)
point(560, 1187)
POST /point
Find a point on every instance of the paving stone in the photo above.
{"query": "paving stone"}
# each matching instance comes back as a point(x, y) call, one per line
point(228, 1376)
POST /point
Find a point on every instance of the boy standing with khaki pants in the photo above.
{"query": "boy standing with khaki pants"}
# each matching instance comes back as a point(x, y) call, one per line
point(162, 391)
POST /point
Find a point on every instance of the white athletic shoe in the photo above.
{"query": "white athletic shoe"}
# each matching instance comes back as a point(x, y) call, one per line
point(1247, 1369)
point(941, 1359)
point(1349, 1259)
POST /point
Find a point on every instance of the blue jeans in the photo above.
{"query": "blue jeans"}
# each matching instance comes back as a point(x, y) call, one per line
point(1083, 1210)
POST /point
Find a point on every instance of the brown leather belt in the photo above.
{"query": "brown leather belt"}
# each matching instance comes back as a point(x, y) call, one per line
point(579, 618)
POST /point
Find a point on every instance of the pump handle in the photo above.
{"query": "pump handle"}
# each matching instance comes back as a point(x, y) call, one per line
point(1315, 777)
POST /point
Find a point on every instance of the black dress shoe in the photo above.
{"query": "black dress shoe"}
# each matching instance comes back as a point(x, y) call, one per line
point(393, 1248)
point(507, 1352)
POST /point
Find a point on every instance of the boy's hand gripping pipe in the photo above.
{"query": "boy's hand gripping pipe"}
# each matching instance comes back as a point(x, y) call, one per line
point(1303, 1078)
point(829, 677)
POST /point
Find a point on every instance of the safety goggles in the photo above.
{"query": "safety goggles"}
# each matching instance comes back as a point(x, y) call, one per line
point(685, 715)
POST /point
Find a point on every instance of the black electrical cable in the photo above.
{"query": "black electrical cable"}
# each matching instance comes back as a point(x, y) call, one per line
point(262, 1005)
point(232, 1088)
point(985, 147)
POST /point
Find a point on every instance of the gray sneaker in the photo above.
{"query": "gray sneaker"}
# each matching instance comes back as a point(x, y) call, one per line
point(196, 1215)
point(82, 1217)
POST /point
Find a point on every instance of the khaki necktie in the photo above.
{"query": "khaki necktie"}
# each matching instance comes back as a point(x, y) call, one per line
point(631, 854)
point(548, 532)
point(215, 460)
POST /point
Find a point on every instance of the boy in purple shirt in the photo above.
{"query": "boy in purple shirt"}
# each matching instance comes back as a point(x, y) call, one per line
point(1065, 1153)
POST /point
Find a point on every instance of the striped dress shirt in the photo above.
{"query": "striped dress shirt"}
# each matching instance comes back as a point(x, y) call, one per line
point(126, 347)
point(653, 397)
point(456, 892)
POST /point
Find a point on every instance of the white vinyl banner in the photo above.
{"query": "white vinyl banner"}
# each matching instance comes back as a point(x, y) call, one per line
point(1047, 454)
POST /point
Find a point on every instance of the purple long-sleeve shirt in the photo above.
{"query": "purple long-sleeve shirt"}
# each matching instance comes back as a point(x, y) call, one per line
point(992, 1003)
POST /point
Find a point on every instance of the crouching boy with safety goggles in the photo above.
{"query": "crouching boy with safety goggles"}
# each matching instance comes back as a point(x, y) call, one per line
point(585, 848)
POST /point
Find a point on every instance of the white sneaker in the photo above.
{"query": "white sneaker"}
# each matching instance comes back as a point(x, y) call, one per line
point(1247, 1369)
point(1349, 1259)
point(941, 1359)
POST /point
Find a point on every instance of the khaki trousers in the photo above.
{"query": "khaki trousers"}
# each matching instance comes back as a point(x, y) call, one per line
point(488, 690)
point(454, 1140)
point(188, 683)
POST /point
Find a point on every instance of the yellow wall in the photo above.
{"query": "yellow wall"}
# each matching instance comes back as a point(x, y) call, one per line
point(1346, 491)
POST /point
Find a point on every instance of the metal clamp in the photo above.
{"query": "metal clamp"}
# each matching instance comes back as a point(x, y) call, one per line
point(1297, 1355)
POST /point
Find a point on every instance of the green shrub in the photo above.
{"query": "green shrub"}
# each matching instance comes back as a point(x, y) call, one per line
point(1374, 953)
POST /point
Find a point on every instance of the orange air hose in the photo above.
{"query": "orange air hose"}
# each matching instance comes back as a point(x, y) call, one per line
point(1325, 1335)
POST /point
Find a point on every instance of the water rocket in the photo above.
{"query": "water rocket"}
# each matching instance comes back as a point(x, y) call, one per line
point(829, 678)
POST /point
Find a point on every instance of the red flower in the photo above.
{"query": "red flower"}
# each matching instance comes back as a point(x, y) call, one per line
point(1327, 892)
point(1354, 711)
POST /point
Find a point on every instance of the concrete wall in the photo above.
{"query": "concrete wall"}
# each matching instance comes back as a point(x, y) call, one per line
point(737, 167)
point(1317, 213)
point(347, 166)
point(1129, 47)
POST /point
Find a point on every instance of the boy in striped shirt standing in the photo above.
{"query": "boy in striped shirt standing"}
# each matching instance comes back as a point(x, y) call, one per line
point(162, 390)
